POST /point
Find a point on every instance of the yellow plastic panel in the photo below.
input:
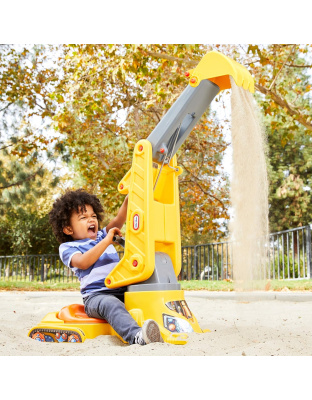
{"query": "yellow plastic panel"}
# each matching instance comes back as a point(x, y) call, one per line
point(138, 261)
point(124, 184)
point(85, 330)
point(153, 305)
point(217, 67)
point(153, 218)
point(158, 218)
point(168, 238)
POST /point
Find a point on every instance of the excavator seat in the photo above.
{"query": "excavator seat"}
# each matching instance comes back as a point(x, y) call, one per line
point(75, 313)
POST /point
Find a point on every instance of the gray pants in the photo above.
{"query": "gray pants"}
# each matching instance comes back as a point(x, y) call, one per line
point(110, 307)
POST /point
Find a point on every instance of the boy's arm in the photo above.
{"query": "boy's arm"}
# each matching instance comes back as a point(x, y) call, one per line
point(120, 218)
point(85, 260)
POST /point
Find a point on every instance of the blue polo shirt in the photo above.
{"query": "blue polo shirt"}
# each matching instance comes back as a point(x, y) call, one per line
point(91, 279)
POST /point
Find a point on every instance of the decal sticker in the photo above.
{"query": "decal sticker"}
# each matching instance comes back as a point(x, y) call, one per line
point(136, 222)
point(176, 325)
point(55, 335)
point(180, 307)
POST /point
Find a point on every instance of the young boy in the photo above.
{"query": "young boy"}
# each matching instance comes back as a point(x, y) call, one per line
point(88, 251)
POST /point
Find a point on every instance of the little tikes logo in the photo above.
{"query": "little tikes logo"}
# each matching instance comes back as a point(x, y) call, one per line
point(136, 222)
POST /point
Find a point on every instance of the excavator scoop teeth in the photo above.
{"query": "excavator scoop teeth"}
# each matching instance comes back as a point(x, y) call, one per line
point(218, 68)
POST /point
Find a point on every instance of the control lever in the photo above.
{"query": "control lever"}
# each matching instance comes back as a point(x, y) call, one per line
point(120, 240)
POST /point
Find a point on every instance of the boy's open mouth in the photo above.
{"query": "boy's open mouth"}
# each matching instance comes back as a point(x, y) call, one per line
point(91, 228)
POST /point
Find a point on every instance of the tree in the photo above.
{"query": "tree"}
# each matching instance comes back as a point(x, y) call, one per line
point(30, 155)
point(27, 79)
point(276, 69)
point(286, 80)
point(24, 210)
point(290, 194)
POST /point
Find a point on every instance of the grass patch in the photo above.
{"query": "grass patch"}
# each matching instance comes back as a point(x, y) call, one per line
point(38, 286)
point(228, 286)
point(224, 285)
point(220, 286)
point(293, 285)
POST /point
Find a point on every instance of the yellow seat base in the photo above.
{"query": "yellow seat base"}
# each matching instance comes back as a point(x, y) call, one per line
point(71, 324)
point(168, 308)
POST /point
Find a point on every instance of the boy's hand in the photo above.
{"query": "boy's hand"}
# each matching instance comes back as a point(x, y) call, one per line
point(113, 232)
point(85, 260)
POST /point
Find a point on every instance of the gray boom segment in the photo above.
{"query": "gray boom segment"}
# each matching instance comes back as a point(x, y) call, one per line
point(181, 118)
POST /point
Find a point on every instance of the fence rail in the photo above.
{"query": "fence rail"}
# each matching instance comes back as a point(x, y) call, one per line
point(289, 257)
point(210, 261)
point(290, 254)
point(36, 268)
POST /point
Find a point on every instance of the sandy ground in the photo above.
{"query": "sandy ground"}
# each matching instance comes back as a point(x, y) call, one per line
point(264, 324)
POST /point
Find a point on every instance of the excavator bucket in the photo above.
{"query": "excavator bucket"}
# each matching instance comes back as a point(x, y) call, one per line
point(218, 68)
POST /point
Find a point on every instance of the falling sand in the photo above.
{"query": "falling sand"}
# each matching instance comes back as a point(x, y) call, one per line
point(249, 193)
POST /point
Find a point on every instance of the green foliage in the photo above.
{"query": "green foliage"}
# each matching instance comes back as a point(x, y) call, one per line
point(282, 75)
point(24, 232)
point(29, 153)
point(23, 209)
point(290, 170)
point(285, 71)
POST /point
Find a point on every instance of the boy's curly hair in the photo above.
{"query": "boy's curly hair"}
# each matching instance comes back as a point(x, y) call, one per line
point(63, 208)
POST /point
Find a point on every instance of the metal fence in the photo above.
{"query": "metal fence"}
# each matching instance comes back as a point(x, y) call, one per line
point(36, 268)
point(289, 257)
point(212, 261)
point(290, 254)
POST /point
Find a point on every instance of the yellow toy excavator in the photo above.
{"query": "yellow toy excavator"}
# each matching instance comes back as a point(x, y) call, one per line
point(152, 255)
